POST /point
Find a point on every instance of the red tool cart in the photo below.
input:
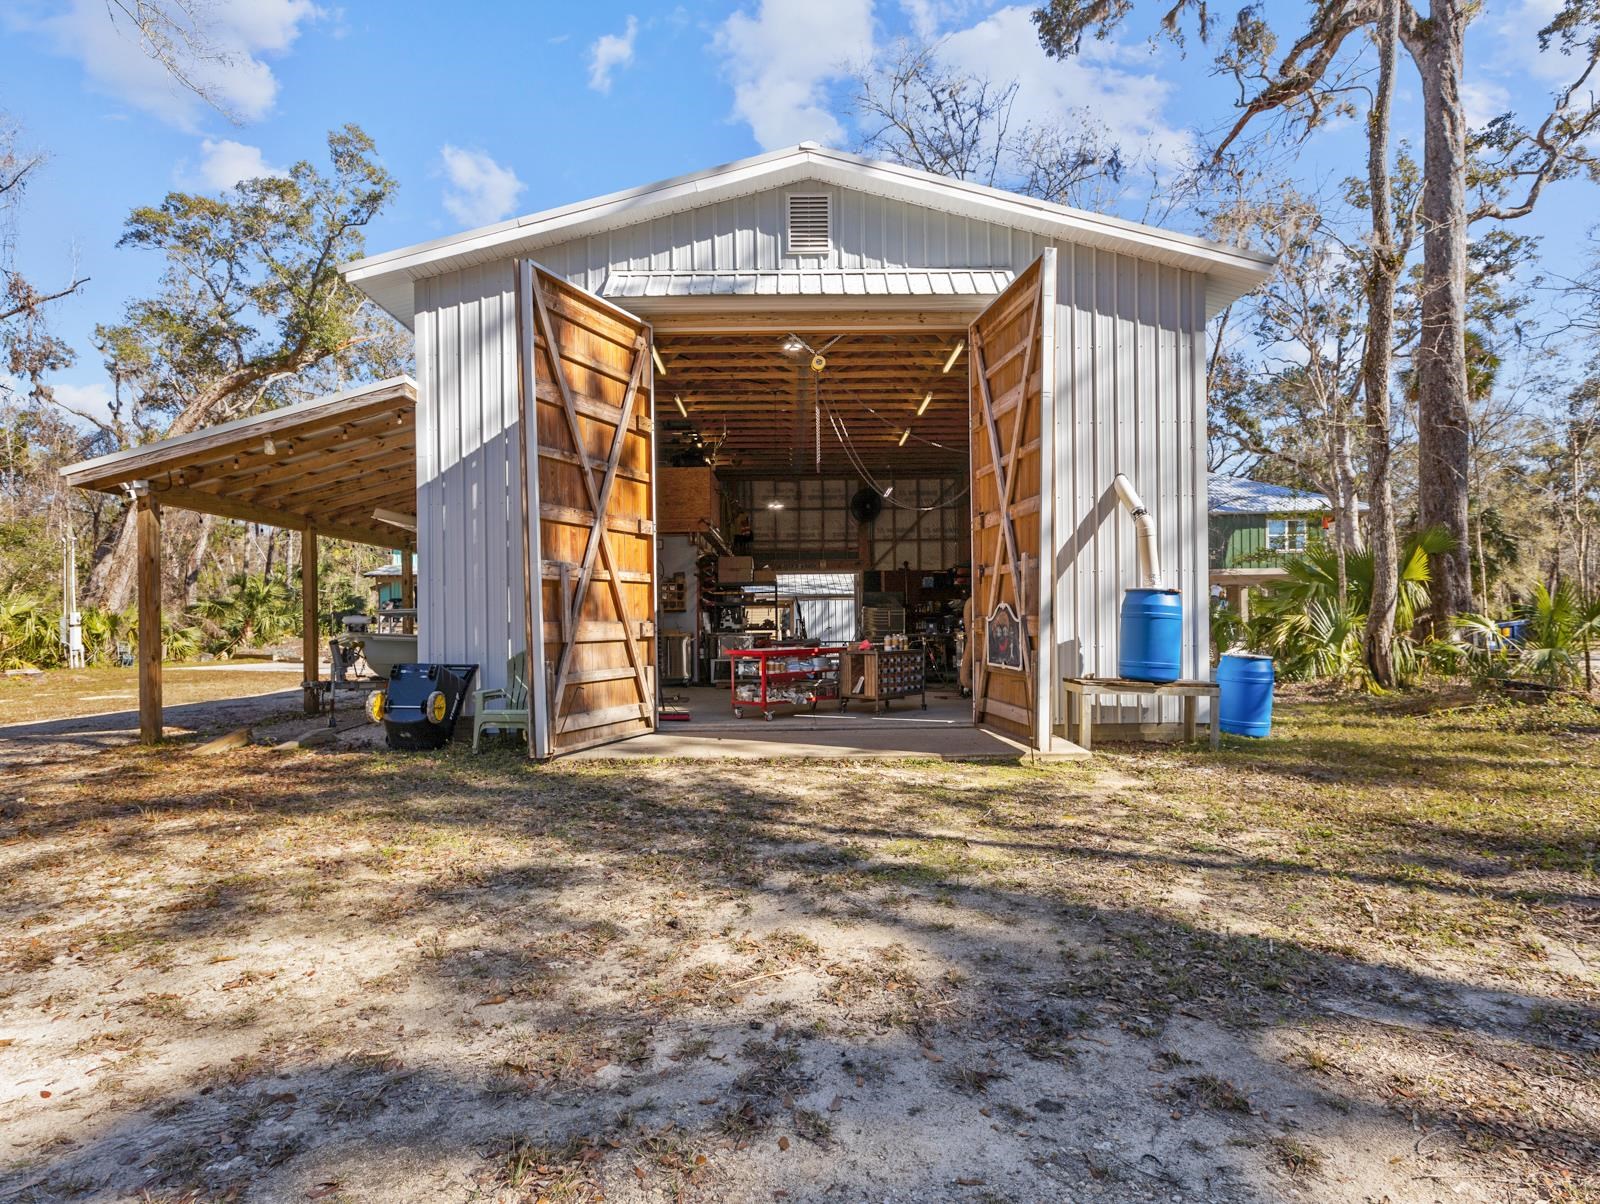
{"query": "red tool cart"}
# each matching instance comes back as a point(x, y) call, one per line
point(764, 678)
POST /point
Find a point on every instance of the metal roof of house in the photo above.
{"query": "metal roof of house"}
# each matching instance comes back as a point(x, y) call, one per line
point(862, 282)
point(388, 277)
point(1239, 495)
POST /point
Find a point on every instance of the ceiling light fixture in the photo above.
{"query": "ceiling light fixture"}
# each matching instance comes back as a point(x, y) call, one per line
point(268, 447)
point(774, 504)
point(655, 358)
point(955, 353)
point(904, 435)
point(794, 345)
point(926, 402)
point(679, 400)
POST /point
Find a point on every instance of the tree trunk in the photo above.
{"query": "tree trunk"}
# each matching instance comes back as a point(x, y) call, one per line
point(1441, 358)
point(1375, 366)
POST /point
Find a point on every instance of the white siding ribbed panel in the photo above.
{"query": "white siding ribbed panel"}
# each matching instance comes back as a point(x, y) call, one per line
point(1129, 397)
point(469, 543)
point(747, 235)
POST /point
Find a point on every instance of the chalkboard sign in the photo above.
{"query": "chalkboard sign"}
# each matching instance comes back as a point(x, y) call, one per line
point(1003, 641)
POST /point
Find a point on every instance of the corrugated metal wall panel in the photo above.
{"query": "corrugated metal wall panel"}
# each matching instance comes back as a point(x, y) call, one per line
point(747, 234)
point(1130, 397)
point(469, 544)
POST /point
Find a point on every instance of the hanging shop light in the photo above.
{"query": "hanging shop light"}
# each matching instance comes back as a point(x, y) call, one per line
point(904, 435)
point(655, 358)
point(926, 402)
point(681, 408)
point(955, 353)
point(774, 504)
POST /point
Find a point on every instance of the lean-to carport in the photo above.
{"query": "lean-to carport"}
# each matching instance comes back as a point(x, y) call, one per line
point(343, 466)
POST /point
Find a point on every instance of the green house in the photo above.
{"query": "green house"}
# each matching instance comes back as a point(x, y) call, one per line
point(1253, 524)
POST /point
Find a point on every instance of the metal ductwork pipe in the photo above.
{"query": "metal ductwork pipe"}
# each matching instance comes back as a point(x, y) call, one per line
point(1145, 529)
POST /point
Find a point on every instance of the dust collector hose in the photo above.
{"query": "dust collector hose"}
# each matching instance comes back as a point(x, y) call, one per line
point(1145, 528)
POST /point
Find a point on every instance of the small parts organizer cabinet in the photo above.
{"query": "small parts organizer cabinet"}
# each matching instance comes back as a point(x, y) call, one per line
point(764, 678)
point(876, 676)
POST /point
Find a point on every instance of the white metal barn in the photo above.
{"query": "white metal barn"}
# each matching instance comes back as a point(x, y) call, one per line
point(1084, 341)
point(988, 363)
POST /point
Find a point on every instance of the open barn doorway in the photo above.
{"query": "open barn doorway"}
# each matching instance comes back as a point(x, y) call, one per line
point(813, 496)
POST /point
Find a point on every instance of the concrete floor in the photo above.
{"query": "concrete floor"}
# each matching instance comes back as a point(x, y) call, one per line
point(945, 730)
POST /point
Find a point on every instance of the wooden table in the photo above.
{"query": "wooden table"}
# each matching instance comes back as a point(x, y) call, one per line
point(1082, 691)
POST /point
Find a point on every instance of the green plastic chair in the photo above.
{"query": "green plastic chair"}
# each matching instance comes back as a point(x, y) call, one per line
point(512, 715)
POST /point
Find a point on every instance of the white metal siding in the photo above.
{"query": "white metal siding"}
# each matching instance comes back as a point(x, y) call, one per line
point(747, 234)
point(469, 543)
point(1129, 397)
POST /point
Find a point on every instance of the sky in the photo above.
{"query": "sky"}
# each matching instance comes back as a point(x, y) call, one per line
point(487, 111)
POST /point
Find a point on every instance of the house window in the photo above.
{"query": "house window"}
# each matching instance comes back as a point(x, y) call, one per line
point(1286, 534)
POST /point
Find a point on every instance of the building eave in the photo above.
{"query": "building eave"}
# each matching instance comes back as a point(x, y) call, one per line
point(388, 277)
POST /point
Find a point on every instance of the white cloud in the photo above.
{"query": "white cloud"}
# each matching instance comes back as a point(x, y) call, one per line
point(610, 52)
point(1483, 101)
point(782, 60)
point(224, 162)
point(480, 190)
point(92, 399)
point(1116, 85)
point(240, 31)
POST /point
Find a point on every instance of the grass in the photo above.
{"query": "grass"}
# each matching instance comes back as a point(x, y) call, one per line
point(636, 981)
point(67, 693)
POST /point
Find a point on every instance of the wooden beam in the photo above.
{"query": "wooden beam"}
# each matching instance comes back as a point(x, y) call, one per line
point(211, 503)
point(147, 521)
point(408, 590)
point(310, 635)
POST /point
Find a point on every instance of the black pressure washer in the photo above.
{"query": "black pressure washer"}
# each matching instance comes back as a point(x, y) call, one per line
point(420, 705)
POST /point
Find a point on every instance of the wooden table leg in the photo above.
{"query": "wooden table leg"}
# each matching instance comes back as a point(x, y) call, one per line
point(1085, 723)
point(1189, 709)
point(1216, 731)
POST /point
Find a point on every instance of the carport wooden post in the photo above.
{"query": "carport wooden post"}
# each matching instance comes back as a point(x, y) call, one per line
point(408, 589)
point(310, 637)
point(147, 529)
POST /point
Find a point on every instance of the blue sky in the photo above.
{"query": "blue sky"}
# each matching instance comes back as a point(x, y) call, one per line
point(485, 111)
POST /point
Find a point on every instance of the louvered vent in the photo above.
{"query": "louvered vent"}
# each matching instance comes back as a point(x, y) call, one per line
point(810, 224)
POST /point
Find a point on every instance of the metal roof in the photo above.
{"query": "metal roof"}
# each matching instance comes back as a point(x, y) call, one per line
point(1239, 495)
point(976, 283)
point(388, 277)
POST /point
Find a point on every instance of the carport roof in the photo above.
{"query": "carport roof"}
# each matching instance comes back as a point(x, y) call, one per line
point(331, 464)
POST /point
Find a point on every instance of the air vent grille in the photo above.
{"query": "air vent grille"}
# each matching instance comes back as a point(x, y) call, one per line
point(810, 224)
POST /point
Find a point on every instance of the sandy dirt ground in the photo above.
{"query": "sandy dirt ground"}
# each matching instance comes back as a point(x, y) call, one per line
point(1357, 962)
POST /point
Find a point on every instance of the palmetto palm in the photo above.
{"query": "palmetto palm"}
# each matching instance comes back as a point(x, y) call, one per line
point(1314, 631)
point(253, 610)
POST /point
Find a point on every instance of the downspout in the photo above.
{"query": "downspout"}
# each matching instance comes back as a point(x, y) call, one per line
point(1145, 531)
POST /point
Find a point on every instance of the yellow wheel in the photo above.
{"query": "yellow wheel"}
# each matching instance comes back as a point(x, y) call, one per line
point(377, 701)
point(436, 707)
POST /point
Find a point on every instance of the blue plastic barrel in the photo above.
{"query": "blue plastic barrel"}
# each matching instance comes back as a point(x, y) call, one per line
point(1245, 705)
point(1151, 638)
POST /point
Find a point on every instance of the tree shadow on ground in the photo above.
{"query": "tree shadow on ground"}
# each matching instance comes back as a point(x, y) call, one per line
point(554, 929)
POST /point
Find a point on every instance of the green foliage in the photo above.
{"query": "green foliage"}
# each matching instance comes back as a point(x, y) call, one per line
point(1560, 626)
point(29, 633)
point(1313, 631)
point(254, 611)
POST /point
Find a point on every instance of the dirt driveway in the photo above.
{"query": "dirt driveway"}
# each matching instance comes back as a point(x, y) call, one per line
point(1354, 963)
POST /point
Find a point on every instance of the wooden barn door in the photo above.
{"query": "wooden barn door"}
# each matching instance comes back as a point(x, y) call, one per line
point(1011, 365)
point(588, 436)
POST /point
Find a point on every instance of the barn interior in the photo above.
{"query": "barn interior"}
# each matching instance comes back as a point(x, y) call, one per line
point(812, 492)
